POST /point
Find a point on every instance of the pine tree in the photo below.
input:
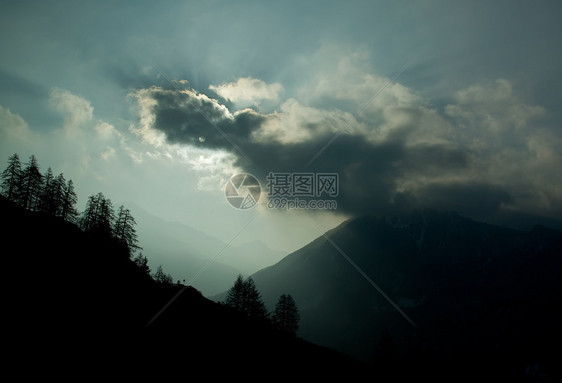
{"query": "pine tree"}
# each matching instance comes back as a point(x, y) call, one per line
point(161, 277)
point(11, 178)
point(286, 315)
point(47, 196)
point(32, 183)
point(105, 217)
point(52, 194)
point(59, 187)
point(89, 217)
point(235, 297)
point(98, 216)
point(142, 263)
point(124, 230)
point(67, 206)
point(255, 308)
point(245, 297)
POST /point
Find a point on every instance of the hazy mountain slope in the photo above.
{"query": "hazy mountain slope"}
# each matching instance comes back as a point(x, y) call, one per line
point(184, 251)
point(471, 288)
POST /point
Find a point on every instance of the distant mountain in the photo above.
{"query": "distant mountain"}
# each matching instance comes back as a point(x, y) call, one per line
point(479, 295)
point(75, 305)
point(183, 251)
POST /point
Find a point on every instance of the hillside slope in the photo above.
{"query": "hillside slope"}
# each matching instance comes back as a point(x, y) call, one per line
point(79, 306)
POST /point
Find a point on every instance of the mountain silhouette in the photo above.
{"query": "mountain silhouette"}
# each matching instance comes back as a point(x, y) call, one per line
point(76, 305)
point(479, 297)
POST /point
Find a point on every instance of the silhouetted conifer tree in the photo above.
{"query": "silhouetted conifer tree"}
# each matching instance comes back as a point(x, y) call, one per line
point(286, 315)
point(50, 193)
point(142, 263)
point(98, 215)
point(59, 186)
point(67, 206)
point(245, 297)
point(161, 277)
point(34, 191)
point(46, 194)
point(31, 185)
point(106, 217)
point(255, 307)
point(124, 230)
point(12, 179)
point(88, 219)
point(235, 296)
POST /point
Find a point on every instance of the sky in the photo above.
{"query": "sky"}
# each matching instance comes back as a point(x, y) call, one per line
point(413, 104)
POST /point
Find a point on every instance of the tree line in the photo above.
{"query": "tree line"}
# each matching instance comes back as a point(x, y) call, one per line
point(245, 298)
point(99, 218)
point(25, 185)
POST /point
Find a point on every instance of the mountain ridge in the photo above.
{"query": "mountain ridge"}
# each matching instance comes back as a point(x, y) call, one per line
point(439, 268)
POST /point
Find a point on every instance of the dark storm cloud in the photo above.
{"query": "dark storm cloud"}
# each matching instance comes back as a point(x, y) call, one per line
point(477, 200)
point(184, 118)
point(369, 172)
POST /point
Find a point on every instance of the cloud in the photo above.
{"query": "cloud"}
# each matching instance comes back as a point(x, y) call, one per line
point(182, 115)
point(247, 91)
point(343, 77)
point(511, 144)
point(77, 111)
point(484, 153)
point(286, 141)
point(13, 127)
point(475, 199)
point(296, 123)
point(489, 116)
point(105, 130)
point(84, 143)
point(185, 117)
point(108, 154)
point(485, 94)
point(82, 134)
point(381, 107)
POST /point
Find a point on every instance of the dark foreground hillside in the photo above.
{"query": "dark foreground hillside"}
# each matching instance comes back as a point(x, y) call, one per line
point(77, 305)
